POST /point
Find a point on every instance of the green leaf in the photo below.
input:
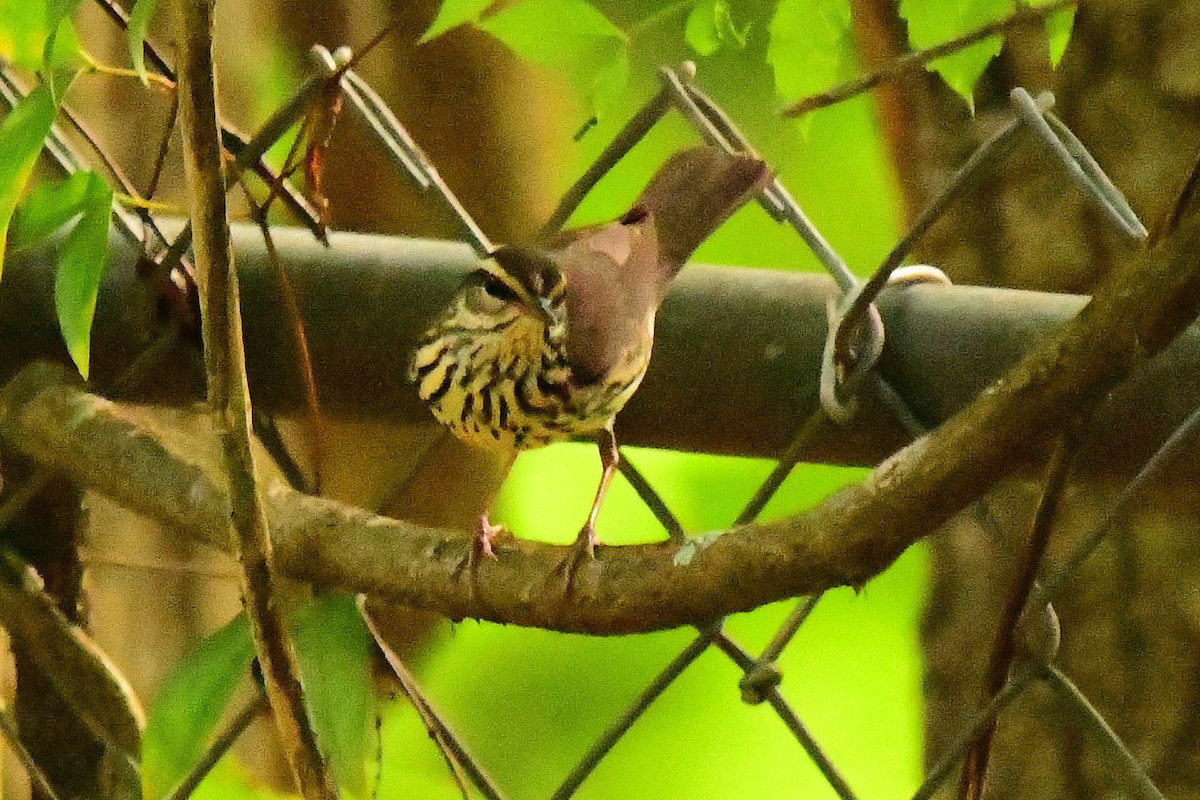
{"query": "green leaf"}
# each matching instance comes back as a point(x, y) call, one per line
point(1058, 32)
point(933, 22)
point(551, 32)
point(135, 34)
point(570, 36)
point(728, 31)
point(21, 137)
point(189, 705)
point(47, 208)
point(23, 32)
point(37, 35)
point(334, 648)
point(81, 265)
point(811, 46)
point(710, 26)
point(61, 45)
point(451, 14)
point(700, 30)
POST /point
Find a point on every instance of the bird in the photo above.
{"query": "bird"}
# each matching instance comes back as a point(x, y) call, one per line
point(547, 342)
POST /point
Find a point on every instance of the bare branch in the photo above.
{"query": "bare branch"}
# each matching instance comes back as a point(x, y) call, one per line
point(229, 399)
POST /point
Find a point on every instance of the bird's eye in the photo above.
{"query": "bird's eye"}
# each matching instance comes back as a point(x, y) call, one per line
point(498, 289)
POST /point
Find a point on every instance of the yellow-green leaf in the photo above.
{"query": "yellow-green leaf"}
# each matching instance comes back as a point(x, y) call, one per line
point(61, 46)
point(188, 706)
point(21, 135)
point(811, 46)
point(710, 27)
point(81, 263)
point(570, 36)
point(135, 34)
point(453, 13)
point(933, 22)
point(334, 648)
point(23, 32)
point(47, 207)
point(1058, 31)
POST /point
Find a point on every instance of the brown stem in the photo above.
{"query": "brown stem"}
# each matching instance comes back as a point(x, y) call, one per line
point(230, 401)
point(1004, 645)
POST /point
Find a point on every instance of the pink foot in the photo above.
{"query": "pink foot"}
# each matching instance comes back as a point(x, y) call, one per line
point(486, 533)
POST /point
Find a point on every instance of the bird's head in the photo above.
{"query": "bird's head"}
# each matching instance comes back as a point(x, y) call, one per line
point(527, 278)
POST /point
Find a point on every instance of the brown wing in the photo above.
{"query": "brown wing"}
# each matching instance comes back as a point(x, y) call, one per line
point(616, 274)
point(609, 273)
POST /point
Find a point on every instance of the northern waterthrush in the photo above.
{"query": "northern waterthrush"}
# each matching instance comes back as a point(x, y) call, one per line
point(548, 342)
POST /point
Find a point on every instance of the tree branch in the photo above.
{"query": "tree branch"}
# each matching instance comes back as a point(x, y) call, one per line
point(229, 398)
point(850, 537)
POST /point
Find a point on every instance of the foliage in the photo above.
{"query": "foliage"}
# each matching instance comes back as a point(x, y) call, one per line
point(335, 653)
point(139, 25)
point(190, 704)
point(809, 42)
point(41, 35)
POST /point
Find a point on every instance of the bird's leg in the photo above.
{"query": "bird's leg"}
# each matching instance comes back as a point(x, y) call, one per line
point(481, 546)
point(609, 458)
point(486, 533)
point(584, 547)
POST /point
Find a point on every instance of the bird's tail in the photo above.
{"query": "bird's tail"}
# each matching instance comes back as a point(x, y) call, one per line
point(692, 194)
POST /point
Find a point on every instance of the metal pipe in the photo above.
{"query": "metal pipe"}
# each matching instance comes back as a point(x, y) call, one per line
point(735, 367)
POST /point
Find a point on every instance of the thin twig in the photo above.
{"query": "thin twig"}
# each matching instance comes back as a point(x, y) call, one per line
point(220, 746)
point(920, 58)
point(228, 396)
point(291, 306)
point(1004, 645)
point(455, 753)
point(233, 140)
point(164, 147)
point(41, 784)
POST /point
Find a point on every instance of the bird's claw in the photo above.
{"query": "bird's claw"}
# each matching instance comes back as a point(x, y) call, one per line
point(485, 534)
point(581, 551)
point(481, 546)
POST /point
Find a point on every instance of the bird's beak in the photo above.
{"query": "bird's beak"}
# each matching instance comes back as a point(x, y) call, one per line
point(546, 311)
